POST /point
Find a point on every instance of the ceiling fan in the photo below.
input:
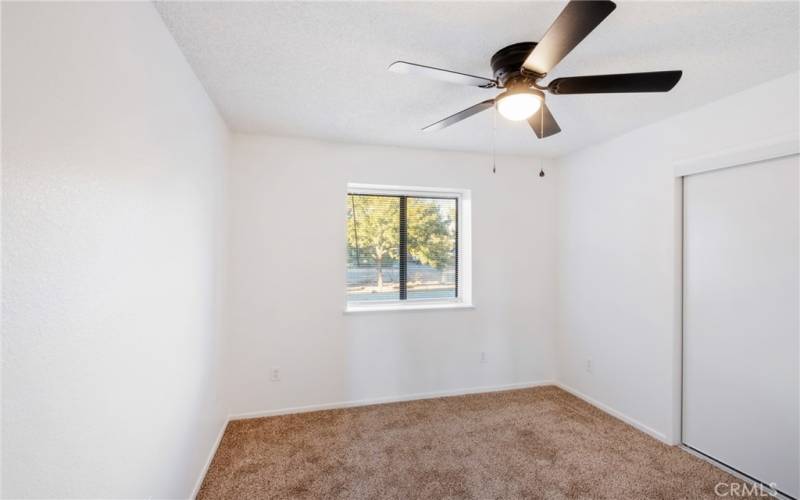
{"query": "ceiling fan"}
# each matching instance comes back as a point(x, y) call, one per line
point(519, 68)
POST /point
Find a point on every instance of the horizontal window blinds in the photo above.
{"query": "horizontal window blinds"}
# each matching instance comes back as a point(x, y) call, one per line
point(401, 248)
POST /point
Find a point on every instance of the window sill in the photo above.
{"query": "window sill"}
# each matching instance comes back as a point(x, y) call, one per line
point(358, 309)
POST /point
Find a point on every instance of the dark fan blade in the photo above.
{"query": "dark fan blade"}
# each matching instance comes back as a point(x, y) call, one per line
point(549, 124)
point(656, 81)
point(577, 20)
point(481, 106)
point(441, 74)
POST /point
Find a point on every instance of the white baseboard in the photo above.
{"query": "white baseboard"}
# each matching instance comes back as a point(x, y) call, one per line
point(211, 454)
point(388, 399)
point(616, 414)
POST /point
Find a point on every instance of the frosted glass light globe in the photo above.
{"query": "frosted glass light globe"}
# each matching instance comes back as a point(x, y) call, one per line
point(520, 106)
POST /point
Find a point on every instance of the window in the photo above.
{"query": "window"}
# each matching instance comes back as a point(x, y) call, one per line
point(405, 247)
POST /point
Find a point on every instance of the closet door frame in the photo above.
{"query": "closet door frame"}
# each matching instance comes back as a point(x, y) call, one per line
point(774, 148)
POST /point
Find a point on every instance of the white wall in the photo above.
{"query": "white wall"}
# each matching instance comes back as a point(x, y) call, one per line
point(619, 250)
point(112, 222)
point(113, 192)
point(287, 266)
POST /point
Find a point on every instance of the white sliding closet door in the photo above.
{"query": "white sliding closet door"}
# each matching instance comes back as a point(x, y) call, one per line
point(741, 319)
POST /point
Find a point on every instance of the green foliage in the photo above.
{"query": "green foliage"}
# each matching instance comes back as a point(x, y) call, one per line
point(431, 236)
point(373, 225)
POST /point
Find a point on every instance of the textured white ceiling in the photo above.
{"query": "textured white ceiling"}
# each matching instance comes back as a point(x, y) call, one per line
point(319, 69)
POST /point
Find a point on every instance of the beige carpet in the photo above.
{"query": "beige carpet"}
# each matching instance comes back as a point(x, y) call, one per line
point(531, 443)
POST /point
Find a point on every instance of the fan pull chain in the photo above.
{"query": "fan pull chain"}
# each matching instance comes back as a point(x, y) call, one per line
point(494, 138)
point(541, 121)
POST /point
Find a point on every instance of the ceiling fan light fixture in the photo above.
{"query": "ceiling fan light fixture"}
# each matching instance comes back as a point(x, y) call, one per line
point(519, 67)
point(519, 104)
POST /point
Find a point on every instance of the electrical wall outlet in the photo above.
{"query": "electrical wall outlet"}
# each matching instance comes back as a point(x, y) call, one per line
point(589, 365)
point(483, 356)
point(275, 374)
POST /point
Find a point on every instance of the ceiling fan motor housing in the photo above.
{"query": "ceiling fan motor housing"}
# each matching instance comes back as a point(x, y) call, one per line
point(507, 62)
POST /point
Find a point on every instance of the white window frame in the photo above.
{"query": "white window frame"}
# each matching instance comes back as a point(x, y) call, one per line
point(463, 298)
